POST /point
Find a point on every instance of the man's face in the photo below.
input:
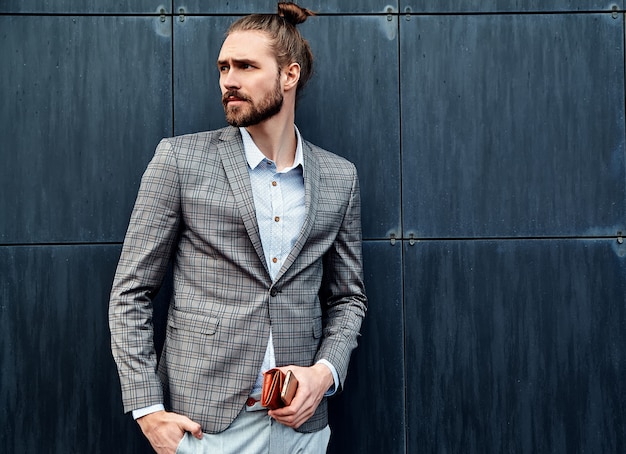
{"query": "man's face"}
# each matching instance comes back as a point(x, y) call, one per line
point(249, 79)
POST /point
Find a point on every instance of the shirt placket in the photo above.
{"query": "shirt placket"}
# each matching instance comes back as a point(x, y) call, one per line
point(276, 221)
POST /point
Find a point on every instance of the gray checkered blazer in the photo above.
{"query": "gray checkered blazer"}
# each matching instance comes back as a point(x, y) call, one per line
point(195, 206)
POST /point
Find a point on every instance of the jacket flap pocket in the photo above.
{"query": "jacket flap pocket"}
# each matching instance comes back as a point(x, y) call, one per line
point(189, 321)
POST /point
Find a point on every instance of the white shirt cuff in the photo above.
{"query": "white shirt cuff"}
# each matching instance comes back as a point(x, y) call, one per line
point(147, 410)
point(333, 389)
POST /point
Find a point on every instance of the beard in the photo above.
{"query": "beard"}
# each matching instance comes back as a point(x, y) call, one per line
point(251, 114)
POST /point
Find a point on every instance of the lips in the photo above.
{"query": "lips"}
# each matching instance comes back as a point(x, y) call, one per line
point(231, 96)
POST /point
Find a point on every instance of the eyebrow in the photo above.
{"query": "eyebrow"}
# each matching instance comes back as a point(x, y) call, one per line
point(237, 61)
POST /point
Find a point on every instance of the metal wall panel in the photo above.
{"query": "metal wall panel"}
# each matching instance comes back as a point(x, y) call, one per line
point(83, 6)
point(369, 415)
point(269, 6)
point(468, 6)
point(515, 346)
point(197, 95)
point(84, 102)
point(351, 107)
point(58, 383)
point(513, 125)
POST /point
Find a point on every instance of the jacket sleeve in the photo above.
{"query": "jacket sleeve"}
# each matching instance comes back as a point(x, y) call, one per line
point(342, 293)
point(148, 246)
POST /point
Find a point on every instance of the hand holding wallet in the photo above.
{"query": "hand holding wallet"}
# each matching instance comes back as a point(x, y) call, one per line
point(278, 389)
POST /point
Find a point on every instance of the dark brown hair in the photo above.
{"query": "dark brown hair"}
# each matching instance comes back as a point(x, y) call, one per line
point(288, 44)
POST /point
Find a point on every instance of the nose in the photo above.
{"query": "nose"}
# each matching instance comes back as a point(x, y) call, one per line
point(229, 79)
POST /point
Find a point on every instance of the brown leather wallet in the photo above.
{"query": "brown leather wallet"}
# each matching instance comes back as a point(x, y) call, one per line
point(278, 389)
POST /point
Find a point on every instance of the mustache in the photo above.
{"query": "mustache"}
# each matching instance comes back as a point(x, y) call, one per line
point(233, 94)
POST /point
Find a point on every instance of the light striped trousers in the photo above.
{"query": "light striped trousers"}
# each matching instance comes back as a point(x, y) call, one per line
point(254, 432)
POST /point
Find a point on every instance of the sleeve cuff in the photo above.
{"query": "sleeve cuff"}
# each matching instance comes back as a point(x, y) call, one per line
point(333, 389)
point(147, 410)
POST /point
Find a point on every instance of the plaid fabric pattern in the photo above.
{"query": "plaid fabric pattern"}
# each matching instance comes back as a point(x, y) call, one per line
point(195, 206)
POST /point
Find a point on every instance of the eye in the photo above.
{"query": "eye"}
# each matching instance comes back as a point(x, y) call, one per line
point(222, 68)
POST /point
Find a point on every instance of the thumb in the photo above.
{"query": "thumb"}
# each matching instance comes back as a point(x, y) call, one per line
point(190, 426)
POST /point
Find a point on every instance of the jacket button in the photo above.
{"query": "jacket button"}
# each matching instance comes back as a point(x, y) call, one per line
point(273, 291)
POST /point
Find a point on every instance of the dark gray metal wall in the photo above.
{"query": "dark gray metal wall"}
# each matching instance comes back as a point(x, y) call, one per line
point(490, 140)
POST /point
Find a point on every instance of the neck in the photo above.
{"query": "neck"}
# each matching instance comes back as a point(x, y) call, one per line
point(276, 138)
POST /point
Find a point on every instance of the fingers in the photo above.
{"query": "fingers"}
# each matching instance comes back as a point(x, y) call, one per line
point(312, 384)
point(295, 420)
point(296, 414)
point(164, 430)
point(192, 427)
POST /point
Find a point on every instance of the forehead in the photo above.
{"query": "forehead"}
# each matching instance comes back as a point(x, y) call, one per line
point(246, 45)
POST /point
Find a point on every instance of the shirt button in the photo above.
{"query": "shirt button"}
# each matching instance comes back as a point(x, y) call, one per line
point(274, 260)
point(274, 183)
point(277, 218)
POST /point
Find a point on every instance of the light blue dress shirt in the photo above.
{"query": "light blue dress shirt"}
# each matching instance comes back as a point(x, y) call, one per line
point(279, 201)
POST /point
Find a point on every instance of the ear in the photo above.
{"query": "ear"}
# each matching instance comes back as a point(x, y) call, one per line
point(291, 76)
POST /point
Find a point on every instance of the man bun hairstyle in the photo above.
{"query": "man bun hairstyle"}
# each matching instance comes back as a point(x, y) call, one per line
point(293, 13)
point(287, 43)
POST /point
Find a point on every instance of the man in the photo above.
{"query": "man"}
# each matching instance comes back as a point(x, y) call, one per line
point(264, 232)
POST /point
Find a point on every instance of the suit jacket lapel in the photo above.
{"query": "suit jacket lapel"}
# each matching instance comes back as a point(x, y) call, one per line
point(235, 165)
point(311, 173)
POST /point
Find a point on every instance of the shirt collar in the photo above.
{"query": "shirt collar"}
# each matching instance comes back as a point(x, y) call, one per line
point(254, 156)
